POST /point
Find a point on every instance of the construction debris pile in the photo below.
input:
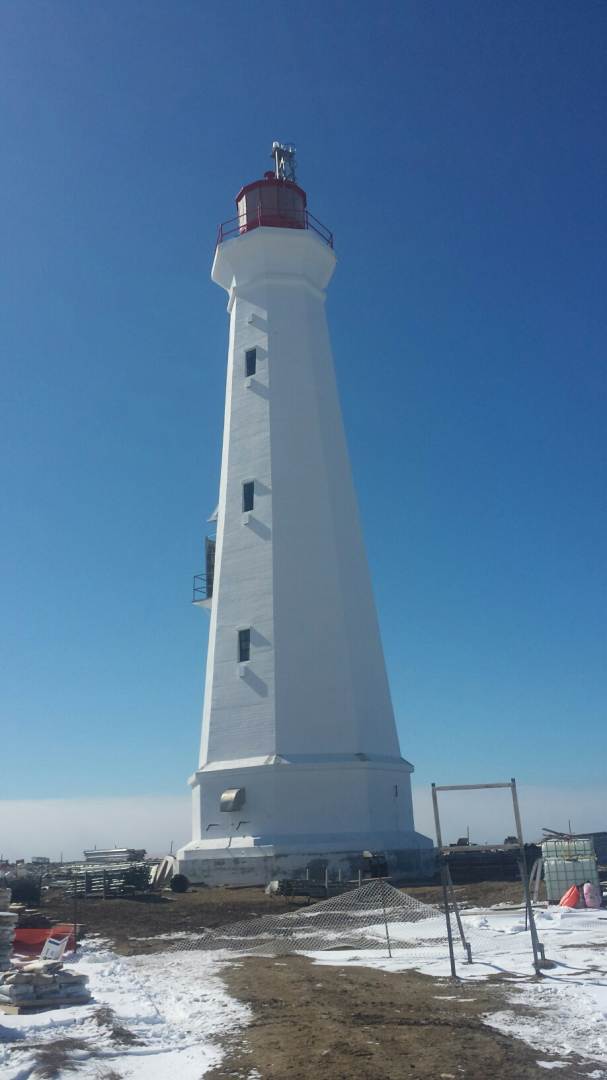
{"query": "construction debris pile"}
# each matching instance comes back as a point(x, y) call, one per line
point(41, 984)
point(8, 921)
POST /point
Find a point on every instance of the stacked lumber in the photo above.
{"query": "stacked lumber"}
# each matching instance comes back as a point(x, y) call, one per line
point(8, 921)
point(43, 984)
point(121, 879)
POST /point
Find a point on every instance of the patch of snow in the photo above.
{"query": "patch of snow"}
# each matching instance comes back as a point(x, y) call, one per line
point(174, 1004)
point(187, 935)
point(568, 1016)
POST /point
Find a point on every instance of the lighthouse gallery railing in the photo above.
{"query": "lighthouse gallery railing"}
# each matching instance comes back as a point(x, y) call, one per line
point(277, 218)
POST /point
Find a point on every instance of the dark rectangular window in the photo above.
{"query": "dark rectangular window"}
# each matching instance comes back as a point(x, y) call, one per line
point(250, 362)
point(244, 645)
point(248, 496)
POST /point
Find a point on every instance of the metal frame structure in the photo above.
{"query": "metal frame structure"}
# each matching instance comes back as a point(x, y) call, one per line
point(200, 593)
point(539, 959)
point(284, 160)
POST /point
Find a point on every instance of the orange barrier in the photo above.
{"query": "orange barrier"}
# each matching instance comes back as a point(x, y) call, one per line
point(571, 898)
point(32, 939)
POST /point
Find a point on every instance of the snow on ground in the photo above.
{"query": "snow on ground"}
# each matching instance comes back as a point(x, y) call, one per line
point(174, 1004)
point(175, 935)
point(563, 1012)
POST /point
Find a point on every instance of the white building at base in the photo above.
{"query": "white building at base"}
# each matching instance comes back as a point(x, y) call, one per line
point(300, 766)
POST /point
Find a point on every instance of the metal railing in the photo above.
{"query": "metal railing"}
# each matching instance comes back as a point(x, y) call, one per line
point(202, 588)
point(283, 219)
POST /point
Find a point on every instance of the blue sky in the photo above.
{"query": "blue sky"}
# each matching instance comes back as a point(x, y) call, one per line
point(458, 151)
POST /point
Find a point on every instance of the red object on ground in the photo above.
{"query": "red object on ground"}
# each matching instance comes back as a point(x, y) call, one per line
point(571, 898)
point(30, 939)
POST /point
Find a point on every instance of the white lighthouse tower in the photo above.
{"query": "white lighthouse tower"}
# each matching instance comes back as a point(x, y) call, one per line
point(300, 765)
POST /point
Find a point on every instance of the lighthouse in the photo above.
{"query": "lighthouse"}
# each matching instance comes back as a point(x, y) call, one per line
point(300, 769)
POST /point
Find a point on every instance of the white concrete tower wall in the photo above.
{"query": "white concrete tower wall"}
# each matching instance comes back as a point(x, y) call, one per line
point(304, 729)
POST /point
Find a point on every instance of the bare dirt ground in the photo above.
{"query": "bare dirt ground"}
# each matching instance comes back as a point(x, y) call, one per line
point(128, 923)
point(132, 925)
point(342, 1023)
point(353, 1023)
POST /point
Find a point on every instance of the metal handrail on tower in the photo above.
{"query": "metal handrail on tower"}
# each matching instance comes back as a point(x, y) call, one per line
point(202, 588)
point(274, 217)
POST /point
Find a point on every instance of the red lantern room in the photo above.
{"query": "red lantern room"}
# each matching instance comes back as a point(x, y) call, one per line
point(275, 200)
point(271, 201)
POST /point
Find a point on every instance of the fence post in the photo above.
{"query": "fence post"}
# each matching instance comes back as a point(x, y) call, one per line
point(448, 917)
point(538, 949)
point(383, 904)
point(458, 918)
point(75, 912)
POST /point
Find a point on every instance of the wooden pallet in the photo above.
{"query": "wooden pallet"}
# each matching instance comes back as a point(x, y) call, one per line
point(42, 1004)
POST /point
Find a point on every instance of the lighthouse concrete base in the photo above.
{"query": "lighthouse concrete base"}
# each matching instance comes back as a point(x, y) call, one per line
point(408, 857)
point(330, 810)
point(367, 802)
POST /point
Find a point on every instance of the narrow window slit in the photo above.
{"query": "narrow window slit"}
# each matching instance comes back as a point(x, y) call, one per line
point(244, 646)
point(248, 496)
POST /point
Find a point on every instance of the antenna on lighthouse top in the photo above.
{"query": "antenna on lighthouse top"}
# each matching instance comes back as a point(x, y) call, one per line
point(284, 160)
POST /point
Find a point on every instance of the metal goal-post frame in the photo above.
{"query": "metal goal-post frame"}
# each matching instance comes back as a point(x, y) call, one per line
point(539, 959)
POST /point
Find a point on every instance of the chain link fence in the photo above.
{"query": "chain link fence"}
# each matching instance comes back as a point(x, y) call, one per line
point(378, 918)
point(374, 916)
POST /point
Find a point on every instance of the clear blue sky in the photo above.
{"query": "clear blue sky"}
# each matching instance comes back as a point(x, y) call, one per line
point(458, 150)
